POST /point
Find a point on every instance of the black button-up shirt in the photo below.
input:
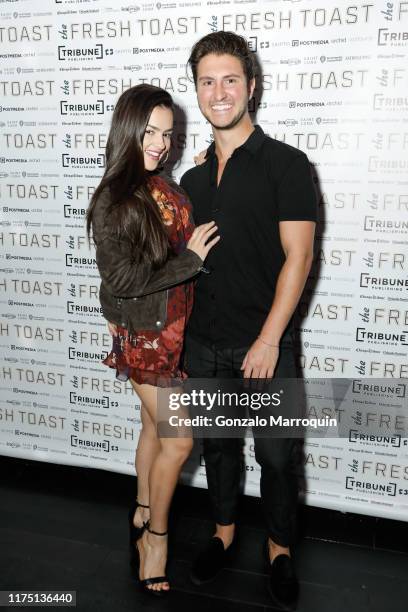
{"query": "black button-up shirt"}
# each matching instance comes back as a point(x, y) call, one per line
point(264, 181)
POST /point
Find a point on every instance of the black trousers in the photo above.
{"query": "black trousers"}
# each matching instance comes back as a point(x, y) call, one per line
point(222, 457)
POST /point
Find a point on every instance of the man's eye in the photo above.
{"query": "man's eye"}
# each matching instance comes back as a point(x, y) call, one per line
point(230, 81)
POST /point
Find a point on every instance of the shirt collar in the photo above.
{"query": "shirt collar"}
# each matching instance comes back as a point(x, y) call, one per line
point(252, 144)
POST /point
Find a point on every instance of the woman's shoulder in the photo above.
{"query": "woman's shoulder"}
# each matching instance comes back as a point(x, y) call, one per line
point(164, 182)
point(100, 213)
point(168, 186)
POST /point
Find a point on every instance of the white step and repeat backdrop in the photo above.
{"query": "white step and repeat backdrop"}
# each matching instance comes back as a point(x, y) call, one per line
point(333, 82)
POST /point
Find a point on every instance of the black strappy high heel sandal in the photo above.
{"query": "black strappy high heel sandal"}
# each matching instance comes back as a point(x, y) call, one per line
point(144, 584)
point(134, 534)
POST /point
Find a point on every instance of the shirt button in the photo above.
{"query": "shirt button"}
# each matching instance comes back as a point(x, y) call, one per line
point(135, 298)
point(158, 323)
point(123, 324)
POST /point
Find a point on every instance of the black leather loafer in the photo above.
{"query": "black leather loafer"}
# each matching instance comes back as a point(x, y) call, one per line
point(283, 584)
point(210, 561)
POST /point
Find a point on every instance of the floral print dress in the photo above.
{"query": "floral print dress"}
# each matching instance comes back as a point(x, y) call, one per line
point(148, 356)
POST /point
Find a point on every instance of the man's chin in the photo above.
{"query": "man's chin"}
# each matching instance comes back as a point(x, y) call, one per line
point(227, 126)
point(218, 124)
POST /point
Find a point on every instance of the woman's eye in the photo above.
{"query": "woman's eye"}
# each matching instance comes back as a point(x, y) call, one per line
point(148, 131)
point(168, 136)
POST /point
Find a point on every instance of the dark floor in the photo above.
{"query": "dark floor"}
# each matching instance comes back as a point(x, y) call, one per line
point(66, 528)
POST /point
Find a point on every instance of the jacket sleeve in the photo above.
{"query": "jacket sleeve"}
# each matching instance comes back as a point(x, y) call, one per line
point(126, 275)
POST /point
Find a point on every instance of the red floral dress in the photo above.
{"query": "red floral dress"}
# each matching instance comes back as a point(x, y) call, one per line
point(151, 357)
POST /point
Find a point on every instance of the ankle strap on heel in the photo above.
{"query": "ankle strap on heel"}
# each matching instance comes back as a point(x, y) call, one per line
point(138, 505)
point(163, 533)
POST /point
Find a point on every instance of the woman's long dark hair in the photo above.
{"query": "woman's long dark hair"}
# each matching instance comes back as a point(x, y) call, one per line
point(132, 211)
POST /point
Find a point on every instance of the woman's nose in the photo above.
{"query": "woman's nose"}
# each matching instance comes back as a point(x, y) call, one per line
point(159, 141)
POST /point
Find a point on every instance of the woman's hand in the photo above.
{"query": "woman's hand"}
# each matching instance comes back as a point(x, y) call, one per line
point(112, 328)
point(200, 158)
point(198, 241)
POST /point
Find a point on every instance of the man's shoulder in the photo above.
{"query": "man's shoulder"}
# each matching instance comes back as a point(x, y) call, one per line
point(279, 156)
point(280, 150)
point(191, 176)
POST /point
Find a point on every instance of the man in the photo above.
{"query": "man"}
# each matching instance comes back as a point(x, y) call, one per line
point(260, 193)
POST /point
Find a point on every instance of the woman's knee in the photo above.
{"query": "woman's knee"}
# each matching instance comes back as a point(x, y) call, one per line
point(177, 449)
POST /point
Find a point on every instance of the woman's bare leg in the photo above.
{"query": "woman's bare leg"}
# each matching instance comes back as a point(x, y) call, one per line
point(147, 448)
point(163, 476)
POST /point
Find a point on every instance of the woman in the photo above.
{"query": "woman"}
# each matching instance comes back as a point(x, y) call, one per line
point(147, 252)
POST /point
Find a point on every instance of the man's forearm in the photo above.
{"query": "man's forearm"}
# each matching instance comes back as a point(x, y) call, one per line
point(289, 288)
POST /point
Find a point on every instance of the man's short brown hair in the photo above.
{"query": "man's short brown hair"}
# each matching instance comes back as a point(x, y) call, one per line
point(221, 43)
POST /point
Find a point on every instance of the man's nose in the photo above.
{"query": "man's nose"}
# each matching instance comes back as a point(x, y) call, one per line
point(219, 90)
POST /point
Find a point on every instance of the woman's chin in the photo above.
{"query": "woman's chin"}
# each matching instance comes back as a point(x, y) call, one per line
point(150, 165)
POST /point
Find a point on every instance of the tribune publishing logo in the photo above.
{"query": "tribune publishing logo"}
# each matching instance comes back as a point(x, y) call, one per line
point(370, 337)
point(102, 402)
point(71, 212)
point(384, 225)
point(357, 436)
point(385, 37)
point(83, 161)
point(384, 390)
point(91, 108)
point(73, 308)
point(77, 355)
point(90, 444)
point(71, 261)
point(368, 281)
point(353, 484)
point(82, 53)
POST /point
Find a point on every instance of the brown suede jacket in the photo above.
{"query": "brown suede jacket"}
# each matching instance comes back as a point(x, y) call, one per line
point(131, 293)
